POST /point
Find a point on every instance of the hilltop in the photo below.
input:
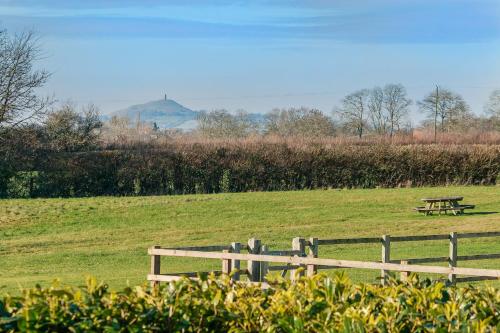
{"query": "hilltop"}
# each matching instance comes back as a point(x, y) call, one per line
point(166, 113)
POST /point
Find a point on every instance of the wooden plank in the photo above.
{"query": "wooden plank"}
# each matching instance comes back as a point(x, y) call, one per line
point(404, 274)
point(419, 238)
point(298, 245)
point(455, 204)
point(226, 264)
point(386, 255)
point(405, 238)
point(429, 205)
point(254, 248)
point(210, 248)
point(235, 264)
point(443, 209)
point(204, 248)
point(312, 253)
point(192, 274)
point(479, 234)
point(443, 199)
point(453, 252)
point(378, 240)
point(479, 257)
point(327, 262)
point(155, 265)
point(349, 241)
point(264, 265)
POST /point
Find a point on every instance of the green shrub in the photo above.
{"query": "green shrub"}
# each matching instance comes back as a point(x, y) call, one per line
point(316, 304)
point(23, 184)
point(225, 182)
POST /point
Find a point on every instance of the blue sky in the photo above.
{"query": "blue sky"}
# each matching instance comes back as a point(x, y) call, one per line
point(257, 55)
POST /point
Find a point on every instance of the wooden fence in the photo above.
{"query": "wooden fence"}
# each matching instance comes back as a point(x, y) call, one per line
point(303, 259)
point(452, 259)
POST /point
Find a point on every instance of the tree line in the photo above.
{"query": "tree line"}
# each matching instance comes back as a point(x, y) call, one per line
point(381, 111)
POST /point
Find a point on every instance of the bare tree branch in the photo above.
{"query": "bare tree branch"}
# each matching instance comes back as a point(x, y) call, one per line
point(222, 124)
point(376, 108)
point(354, 111)
point(18, 80)
point(452, 109)
point(492, 107)
point(396, 104)
point(304, 122)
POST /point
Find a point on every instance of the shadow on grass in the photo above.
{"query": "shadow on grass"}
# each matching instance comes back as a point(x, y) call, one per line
point(463, 214)
point(479, 213)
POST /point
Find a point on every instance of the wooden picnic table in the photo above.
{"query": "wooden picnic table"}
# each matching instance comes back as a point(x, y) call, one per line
point(443, 204)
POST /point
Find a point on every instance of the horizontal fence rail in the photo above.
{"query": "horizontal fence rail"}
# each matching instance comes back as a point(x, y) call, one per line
point(304, 254)
point(452, 259)
point(326, 262)
point(208, 248)
point(323, 262)
point(375, 240)
point(349, 241)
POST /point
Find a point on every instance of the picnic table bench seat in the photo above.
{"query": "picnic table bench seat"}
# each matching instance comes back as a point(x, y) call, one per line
point(443, 204)
point(460, 207)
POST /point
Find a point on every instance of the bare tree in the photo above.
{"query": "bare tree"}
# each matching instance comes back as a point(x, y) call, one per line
point(451, 108)
point(70, 130)
point(299, 122)
point(281, 121)
point(117, 130)
point(376, 108)
point(222, 124)
point(396, 104)
point(492, 107)
point(18, 80)
point(354, 111)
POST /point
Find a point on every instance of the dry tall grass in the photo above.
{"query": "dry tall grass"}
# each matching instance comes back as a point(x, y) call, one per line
point(417, 137)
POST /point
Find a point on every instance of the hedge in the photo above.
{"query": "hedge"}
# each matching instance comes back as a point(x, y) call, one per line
point(205, 168)
point(317, 304)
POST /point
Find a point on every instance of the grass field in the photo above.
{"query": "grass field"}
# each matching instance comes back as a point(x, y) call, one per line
point(43, 239)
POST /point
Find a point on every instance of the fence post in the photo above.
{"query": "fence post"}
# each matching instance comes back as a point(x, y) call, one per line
point(298, 244)
point(386, 256)
point(155, 266)
point(235, 264)
point(404, 275)
point(226, 264)
point(253, 266)
point(452, 260)
point(264, 265)
point(313, 253)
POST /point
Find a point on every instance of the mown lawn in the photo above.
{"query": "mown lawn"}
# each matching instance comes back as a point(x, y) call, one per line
point(108, 237)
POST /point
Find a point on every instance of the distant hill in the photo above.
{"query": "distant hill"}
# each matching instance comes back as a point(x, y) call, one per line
point(166, 114)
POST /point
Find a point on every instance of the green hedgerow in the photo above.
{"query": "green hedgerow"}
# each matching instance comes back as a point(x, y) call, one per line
point(262, 166)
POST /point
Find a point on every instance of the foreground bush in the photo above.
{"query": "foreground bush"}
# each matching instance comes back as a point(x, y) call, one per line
point(210, 305)
point(258, 166)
